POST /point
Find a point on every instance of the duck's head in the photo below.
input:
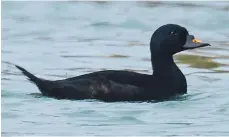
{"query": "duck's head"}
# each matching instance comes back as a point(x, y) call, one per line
point(170, 39)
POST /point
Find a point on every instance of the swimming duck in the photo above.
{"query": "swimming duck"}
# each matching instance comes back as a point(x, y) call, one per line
point(166, 81)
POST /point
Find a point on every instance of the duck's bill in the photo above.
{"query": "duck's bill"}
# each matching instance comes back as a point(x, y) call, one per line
point(192, 43)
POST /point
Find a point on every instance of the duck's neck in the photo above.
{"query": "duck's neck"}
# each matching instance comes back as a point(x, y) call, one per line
point(164, 66)
point(167, 77)
point(166, 71)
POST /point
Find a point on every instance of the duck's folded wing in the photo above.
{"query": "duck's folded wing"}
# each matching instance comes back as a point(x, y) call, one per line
point(110, 91)
point(99, 88)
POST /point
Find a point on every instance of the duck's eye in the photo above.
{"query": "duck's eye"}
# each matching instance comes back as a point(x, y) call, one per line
point(173, 33)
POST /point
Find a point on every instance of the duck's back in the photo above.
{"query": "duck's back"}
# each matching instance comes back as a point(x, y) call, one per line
point(121, 77)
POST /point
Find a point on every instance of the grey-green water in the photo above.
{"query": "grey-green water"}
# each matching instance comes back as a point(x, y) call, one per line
point(56, 40)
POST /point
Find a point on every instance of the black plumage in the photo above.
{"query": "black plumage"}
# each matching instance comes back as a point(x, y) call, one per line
point(115, 85)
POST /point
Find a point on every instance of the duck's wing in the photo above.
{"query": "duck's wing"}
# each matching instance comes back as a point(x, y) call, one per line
point(107, 86)
point(97, 88)
point(111, 91)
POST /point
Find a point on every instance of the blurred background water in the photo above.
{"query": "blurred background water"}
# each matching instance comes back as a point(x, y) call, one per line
point(57, 40)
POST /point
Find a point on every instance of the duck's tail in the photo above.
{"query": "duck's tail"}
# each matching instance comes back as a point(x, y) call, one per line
point(45, 86)
point(42, 84)
point(30, 76)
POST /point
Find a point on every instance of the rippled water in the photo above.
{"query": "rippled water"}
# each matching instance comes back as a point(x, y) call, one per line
point(56, 40)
